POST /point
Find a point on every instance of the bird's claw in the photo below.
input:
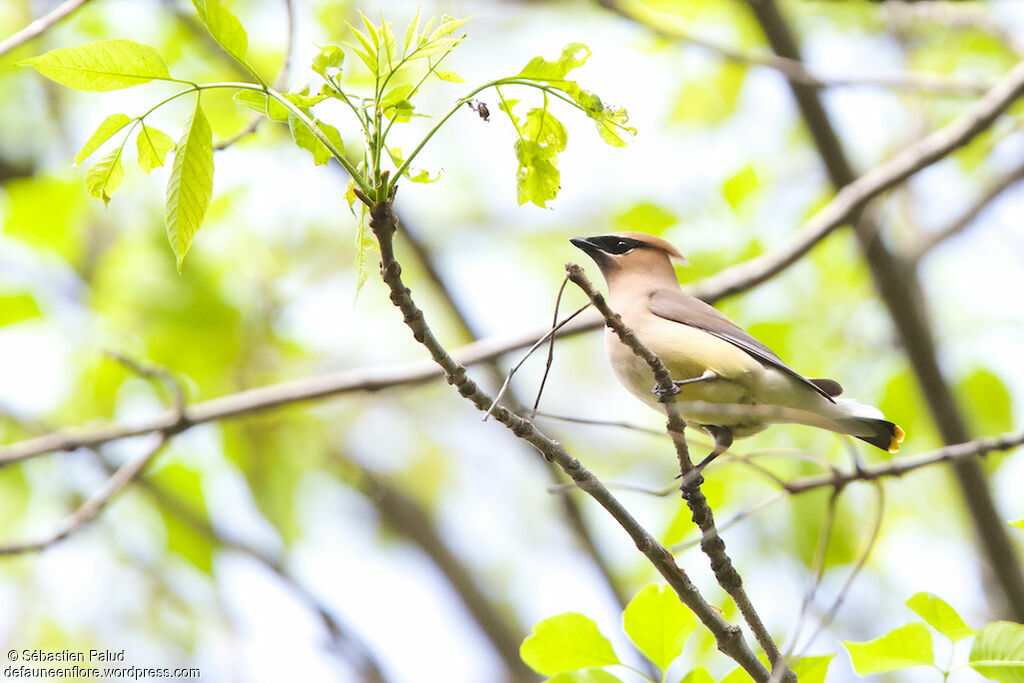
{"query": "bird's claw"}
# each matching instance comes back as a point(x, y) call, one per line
point(664, 394)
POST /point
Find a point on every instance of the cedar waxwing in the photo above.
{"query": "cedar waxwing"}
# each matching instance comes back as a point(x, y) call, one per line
point(710, 358)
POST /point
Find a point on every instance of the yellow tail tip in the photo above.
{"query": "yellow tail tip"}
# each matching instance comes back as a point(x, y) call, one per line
point(897, 439)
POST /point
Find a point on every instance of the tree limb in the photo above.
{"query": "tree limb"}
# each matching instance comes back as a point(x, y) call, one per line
point(40, 25)
point(793, 69)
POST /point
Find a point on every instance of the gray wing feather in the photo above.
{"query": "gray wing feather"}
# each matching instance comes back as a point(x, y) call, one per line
point(681, 308)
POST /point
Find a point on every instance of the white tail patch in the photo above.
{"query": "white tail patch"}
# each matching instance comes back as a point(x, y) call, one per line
point(851, 408)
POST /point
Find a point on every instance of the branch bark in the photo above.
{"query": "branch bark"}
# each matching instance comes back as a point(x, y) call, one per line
point(899, 288)
point(728, 637)
point(793, 69)
point(40, 25)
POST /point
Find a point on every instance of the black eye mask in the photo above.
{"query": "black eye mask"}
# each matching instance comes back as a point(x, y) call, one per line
point(614, 244)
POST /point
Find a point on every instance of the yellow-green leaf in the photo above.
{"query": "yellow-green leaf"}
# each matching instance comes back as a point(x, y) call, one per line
point(812, 669)
point(191, 184)
point(589, 675)
point(658, 624)
point(566, 642)
point(111, 125)
point(153, 145)
point(224, 26)
point(105, 176)
point(15, 308)
point(261, 104)
point(645, 217)
point(739, 186)
point(1019, 523)
point(907, 646)
point(102, 65)
point(698, 675)
point(940, 616)
point(307, 140)
point(998, 652)
point(449, 76)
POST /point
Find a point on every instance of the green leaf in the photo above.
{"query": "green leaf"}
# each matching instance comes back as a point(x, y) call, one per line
point(153, 145)
point(191, 184)
point(737, 675)
point(543, 128)
point(368, 53)
point(564, 643)
point(102, 65)
point(389, 42)
point(1019, 523)
point(611, 125)
point(307, 140)
point(111, 125)
point(412, 29)
point(537, 179)
point(940, 616)
point(449, 76)
point(658, 624)
point(183, 539)
point(395, 105)
point(645, 217)
point(738, 187)
point(540, 69)
point(224, 26)
point(260, 103)
point(698, 675)
point(105, 176)
point(366, 247)
point(907, 646)
point(589, 675)
point(998, 652)
point(328, 61)
point(15, 308)
point(812, 669)
point(988, 401)
point(708, 101)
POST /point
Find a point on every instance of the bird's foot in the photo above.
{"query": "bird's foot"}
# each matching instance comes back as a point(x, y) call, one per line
point(664, 394)
point(690, 483)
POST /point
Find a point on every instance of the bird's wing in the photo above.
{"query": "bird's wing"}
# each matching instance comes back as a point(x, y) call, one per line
point(681, 308)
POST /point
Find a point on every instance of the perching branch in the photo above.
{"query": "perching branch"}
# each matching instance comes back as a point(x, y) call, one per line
point(728, 637)
point(40, 25)
point(665, 26)
point(711, 542)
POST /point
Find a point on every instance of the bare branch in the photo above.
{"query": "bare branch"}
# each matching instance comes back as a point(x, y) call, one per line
point(931, 240)
point(94, 505)
point(40, 25)
point(853, 195)
point(711, 542)
point(666, 26)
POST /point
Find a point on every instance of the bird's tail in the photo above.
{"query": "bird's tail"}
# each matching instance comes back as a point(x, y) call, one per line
point(867, 424)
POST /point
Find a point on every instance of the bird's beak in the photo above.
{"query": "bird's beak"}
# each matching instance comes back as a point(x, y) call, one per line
point(591, 249)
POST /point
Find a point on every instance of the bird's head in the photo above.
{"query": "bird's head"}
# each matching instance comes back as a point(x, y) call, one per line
point(621, 254)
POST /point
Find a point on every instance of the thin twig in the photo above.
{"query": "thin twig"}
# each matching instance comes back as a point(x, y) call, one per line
point(40, 25)
point(929, 241)
point(93, 505)
point(515, 368)
point(551, 350)
point(666, 26)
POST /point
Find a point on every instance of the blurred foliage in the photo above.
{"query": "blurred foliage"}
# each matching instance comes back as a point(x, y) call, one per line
point(720, 167)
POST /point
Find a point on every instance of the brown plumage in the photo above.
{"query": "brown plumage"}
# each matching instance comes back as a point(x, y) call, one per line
point(711, 358)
